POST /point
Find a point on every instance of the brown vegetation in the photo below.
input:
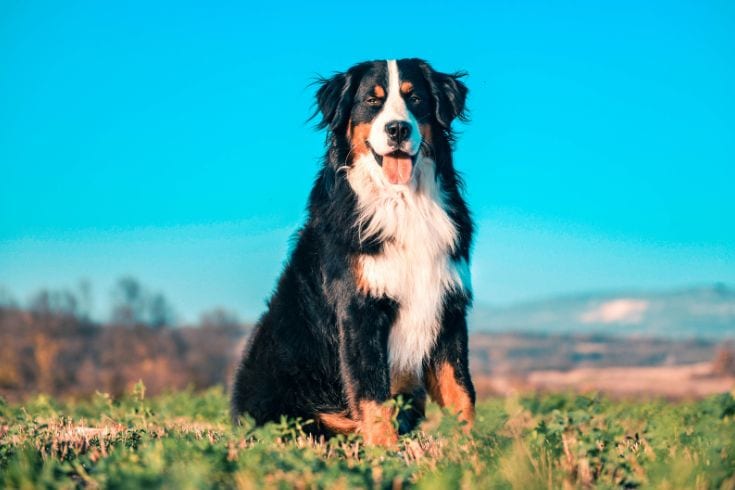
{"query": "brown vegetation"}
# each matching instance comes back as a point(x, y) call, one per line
point(60, 354)
point(54, 349)
point(724, 363)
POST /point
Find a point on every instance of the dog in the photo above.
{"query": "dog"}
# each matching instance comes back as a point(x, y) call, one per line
point(372, 302)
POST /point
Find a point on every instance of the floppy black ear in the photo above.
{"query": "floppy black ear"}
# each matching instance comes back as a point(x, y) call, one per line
point(449, 95)
point(331, 100)
point(335, 97)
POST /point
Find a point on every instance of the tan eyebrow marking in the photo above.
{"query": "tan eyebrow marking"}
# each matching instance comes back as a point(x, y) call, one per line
point(379, 91)
point(406, 87)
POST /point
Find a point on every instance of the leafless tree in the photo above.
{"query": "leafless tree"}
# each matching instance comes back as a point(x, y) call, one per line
point(6, 299)
point(133, 304)
point(86, 303)
point(54, 302)
point(160, 312)
point(219, 317)
point(128, 302)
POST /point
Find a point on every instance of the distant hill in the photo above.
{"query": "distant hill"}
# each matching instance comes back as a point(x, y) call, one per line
point(703, 312)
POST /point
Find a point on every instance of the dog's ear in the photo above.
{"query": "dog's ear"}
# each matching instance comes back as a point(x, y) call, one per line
point(335, 96)
point(449, 95)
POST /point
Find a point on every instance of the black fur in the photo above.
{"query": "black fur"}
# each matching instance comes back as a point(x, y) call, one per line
point(319, 334)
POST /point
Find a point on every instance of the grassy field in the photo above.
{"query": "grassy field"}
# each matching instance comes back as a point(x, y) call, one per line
point(184, 440)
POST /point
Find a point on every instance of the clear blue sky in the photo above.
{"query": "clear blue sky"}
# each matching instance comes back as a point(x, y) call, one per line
point(168, 140)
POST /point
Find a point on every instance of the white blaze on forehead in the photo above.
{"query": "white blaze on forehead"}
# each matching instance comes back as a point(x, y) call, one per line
point(394, 109)
point(394, 104)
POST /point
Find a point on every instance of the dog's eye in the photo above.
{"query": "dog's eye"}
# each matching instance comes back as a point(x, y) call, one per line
point(373, 101)
point(415, 99)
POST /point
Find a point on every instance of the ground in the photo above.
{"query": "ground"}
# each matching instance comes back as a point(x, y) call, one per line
point(185, 440)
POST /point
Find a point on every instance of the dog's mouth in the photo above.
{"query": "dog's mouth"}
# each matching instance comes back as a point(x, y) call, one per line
point(397, 165)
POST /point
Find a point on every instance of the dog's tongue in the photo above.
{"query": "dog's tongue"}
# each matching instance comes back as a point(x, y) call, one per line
point(397, 169)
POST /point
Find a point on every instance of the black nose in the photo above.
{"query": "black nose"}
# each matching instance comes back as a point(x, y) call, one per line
point(398, 131)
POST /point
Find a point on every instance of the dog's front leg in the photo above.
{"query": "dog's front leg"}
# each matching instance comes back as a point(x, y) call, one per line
point(447, 374)
point(364, 328)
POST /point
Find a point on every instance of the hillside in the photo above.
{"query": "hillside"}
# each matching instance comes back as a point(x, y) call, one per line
point(705, 313)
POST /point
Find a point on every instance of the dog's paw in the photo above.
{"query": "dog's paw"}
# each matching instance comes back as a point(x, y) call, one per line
point(380, 435)
point(376, 425)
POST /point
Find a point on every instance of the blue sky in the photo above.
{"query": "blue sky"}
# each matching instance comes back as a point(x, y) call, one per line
point(170, 141)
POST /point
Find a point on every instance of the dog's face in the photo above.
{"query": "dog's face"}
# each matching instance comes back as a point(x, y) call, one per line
point(390, 111)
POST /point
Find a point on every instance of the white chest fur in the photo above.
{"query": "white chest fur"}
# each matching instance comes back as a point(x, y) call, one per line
point(415, 266)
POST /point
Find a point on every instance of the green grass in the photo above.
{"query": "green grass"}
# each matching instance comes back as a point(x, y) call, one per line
point(184, 440)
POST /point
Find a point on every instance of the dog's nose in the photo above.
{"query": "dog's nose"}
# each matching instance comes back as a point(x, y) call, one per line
point(398, 131)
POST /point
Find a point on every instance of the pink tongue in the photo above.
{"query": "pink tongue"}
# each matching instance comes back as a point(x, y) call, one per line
point(397, 169)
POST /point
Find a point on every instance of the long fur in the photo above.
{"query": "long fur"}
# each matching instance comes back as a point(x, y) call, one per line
point(374, 296)
point(414, 267)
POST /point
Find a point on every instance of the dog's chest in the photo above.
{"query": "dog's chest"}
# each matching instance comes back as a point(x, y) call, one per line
point(416, 270)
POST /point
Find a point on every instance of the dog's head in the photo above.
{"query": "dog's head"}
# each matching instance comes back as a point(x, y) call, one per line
point(391, 111)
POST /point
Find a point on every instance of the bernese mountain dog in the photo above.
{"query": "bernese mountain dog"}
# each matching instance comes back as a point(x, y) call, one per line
point(372, 302)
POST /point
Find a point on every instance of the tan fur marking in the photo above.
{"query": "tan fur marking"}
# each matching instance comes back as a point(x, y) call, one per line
point(376, 424)
point(339, 423)
point(444, 389)
point(406, 87)
point(379, 91)
point(362, 284)
point(425, 130)
point(358, 139)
